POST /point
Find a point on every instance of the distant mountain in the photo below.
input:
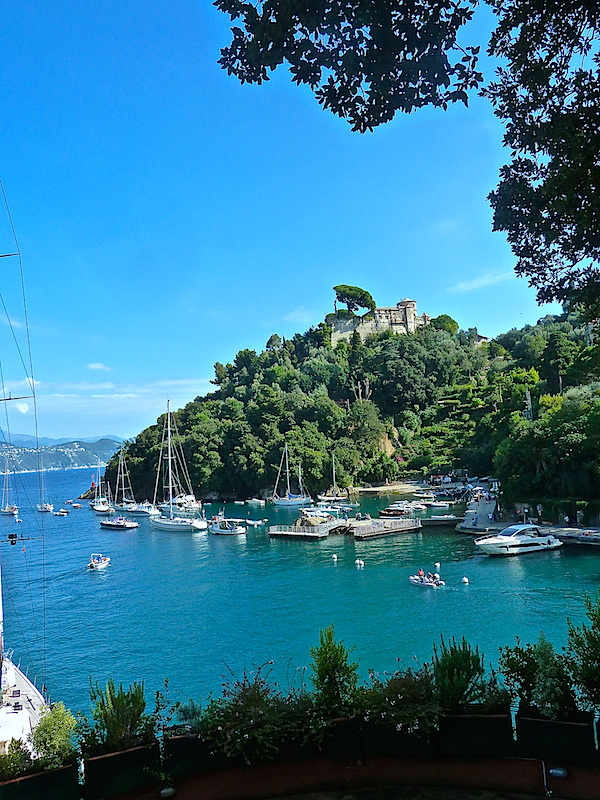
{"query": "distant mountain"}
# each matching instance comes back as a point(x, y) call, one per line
point(25, 440)
point(63, 455)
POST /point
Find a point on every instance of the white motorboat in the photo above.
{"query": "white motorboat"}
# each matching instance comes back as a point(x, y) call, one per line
point(226, 527)
point(97, 562)
point(517, 539)
point(119, 523)
point(255, 501)
point(290, 500)
point(423, 580)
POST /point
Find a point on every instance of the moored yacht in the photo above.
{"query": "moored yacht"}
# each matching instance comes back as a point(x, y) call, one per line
point(517, 539)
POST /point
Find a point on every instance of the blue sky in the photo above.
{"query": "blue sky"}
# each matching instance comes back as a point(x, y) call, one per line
point(168, 217)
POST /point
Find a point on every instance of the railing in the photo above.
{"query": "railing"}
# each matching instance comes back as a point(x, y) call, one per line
point(381, 527)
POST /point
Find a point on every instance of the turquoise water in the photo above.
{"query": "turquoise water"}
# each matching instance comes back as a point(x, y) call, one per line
point(191, 607)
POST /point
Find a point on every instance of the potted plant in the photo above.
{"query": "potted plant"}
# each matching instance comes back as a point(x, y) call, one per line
point(549, 723)
point(54, 768)
point(475, 717)
point(400, 714)
point(583, 656)
point(119, 745)
point(335, 681)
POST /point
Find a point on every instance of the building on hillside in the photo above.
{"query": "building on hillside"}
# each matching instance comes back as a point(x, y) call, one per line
point(401, 318)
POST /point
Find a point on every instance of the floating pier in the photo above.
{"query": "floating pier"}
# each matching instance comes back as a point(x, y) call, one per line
point(373, 529)
point(299, 531)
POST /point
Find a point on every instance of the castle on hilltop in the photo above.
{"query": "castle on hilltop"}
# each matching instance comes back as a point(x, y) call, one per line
point(401, 318)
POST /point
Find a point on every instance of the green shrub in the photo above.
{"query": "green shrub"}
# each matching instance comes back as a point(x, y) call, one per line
point(407, 700)
point(539, 677)
point(458, 674)
point(583, 654)
point(248, 720)
point(334, 677)
point(16, 762)
point(119, 719)
point(53, 736)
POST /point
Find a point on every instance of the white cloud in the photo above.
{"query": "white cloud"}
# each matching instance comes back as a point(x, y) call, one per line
point(489, 279)
point(300, 314)
point(23, 408)
point(98, 365)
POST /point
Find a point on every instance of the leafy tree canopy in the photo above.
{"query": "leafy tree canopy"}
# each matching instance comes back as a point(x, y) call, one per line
point(366, 60)
point(354, 297)
point(445, 323)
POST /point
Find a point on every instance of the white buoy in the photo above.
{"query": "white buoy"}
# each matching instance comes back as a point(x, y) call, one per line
point(334, 557)
point(465, 580)
point(357, 562)
point(437, 564)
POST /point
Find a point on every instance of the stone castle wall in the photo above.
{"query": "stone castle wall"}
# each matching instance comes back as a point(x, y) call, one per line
point(401, 318)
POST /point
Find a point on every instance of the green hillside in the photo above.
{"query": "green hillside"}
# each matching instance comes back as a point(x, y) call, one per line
point(524, 406)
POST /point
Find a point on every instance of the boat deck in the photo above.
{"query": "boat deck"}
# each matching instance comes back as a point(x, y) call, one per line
point(19, 690)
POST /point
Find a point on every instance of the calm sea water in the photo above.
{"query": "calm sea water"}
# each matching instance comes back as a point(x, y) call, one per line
point(192, 607)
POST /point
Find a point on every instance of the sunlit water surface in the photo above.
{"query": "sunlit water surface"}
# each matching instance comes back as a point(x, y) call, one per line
point(195, 607)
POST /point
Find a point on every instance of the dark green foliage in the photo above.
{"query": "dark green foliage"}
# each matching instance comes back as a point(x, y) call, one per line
point(583, 654)
point(248, 720)
point(407, 700)
point(364, 61)
point(334, 676)
point(458, 674)
point(354, 297)
point(539, 677)
point(17, 761)
point(548, 93)
point(445, 323)
point(119, 719)
point(428, 401)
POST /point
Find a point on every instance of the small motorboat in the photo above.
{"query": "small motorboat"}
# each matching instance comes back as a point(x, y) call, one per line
point(119, 523)
point(424, 580)
point(517, 539)
point(226, 527)
point(256, 501)
point(98, 561)
point(76, 505)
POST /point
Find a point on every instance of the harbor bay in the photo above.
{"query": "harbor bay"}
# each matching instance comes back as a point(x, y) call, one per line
point(194, 607)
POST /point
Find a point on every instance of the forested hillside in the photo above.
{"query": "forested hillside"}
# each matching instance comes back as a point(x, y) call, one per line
point(523, 406)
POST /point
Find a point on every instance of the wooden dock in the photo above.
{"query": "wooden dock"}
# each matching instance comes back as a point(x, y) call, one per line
point(305, 531)
point(374, 529)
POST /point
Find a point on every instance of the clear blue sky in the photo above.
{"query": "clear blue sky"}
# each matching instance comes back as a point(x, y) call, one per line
point(169, 217)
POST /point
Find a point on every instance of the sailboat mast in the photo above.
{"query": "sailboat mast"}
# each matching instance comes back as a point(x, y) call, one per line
point(333, 465)
point(287, 470)
point(169, 459)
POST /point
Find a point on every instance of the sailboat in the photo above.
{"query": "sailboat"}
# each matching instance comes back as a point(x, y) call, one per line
point(336, 498)
point(290, 500)
point(124, 496)
point(44, 505)
point(170, 520)
point(7, 506)
point(21, 702)
point(101, 504)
